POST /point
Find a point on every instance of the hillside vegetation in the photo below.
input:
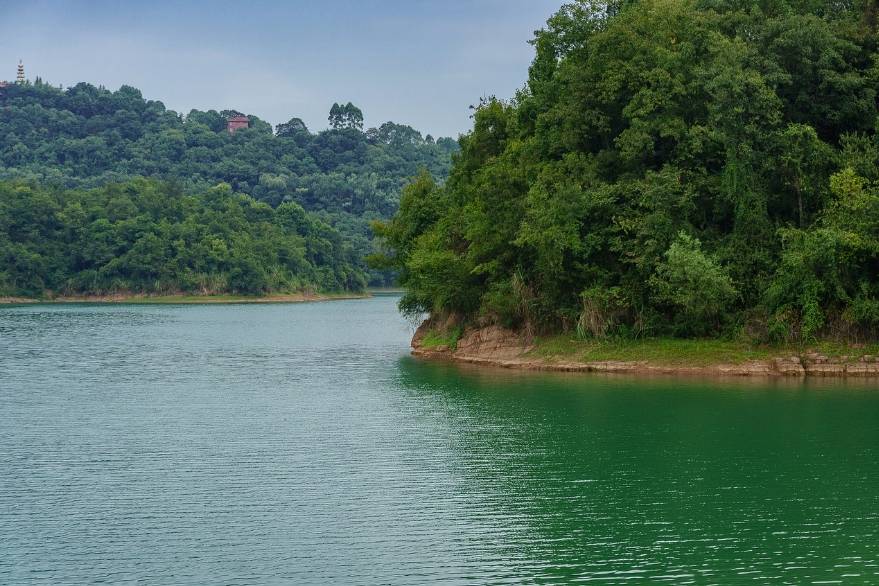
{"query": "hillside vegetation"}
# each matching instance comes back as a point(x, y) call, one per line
point(87, 137)
point(146, 236)
point(672, 167)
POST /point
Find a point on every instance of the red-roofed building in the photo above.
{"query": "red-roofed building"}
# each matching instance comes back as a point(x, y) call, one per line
point(236, 122)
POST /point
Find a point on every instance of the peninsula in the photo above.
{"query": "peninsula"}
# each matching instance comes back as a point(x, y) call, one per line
point(675, 178)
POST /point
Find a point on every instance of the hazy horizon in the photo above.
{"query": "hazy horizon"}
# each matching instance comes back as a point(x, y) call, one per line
point(411, 62)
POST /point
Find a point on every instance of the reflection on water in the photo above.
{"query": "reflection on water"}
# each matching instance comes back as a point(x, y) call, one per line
point(682, 480)
point(300, 444)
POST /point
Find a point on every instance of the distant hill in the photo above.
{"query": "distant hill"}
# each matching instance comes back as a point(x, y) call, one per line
point(87, 136)
point(147, 236)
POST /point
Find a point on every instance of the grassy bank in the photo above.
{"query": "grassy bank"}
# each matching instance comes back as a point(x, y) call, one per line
point(185, 298)
point(497, 346)
point(677, 352)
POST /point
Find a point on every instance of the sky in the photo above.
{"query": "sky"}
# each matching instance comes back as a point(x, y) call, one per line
point(415, 62)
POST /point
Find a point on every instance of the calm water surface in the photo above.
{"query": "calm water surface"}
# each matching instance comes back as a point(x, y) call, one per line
point(260, 444)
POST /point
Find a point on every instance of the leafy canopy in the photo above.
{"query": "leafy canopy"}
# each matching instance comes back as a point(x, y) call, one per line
point(682, 167)
point(86, 137)
point(147, 236)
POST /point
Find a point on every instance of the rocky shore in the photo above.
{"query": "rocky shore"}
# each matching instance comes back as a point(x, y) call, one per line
point(497, 346)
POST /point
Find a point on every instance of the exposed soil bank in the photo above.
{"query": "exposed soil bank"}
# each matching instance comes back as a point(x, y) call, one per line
point(187, 298)
point(497, 346)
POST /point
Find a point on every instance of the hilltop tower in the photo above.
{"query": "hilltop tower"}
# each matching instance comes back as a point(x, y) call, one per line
point(19, 78)
point(233, 123)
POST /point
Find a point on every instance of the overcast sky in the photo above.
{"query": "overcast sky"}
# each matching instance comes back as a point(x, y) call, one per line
point(415, 62)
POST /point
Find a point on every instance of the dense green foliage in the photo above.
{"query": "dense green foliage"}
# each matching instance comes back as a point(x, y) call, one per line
point(147, 236)
point(86, 137)
point(684, 167)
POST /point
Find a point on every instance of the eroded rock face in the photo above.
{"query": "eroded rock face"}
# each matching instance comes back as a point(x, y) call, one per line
point(862, 369)
point(791, 366)
point(492, 342)
point(817, 365)
point(825, 369)
point(420, 334)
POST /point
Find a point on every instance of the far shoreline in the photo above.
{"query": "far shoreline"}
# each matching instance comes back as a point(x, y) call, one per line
point(184, 298)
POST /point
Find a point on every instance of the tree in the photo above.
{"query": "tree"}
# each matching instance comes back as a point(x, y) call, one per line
point(352, 117)
point(348, 117)
point(336, 117)
point(694, 283)
point(293, 127)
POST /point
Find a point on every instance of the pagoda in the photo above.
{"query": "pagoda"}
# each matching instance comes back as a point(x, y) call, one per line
point(19, 78)
point(236, 122)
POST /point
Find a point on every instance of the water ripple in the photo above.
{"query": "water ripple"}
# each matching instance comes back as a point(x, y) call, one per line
point(299, 444)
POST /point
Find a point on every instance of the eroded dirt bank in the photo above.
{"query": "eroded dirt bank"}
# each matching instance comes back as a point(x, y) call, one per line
point(497, 346)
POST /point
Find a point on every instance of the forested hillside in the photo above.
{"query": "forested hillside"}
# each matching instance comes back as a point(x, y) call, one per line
point(86, 137)
point(672, 167)
point(145, 236)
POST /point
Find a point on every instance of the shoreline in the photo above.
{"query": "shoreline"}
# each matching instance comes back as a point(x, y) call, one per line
point(495, 346)
point(185, 298)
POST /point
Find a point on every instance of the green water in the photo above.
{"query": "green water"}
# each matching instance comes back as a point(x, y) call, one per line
point(300, 444)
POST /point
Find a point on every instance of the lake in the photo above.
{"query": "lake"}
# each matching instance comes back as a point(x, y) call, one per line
point(300, 444)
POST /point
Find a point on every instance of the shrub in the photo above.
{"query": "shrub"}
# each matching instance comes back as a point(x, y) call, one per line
point(693, 284)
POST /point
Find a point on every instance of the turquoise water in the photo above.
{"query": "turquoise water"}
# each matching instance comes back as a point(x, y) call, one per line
point(262, 444)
